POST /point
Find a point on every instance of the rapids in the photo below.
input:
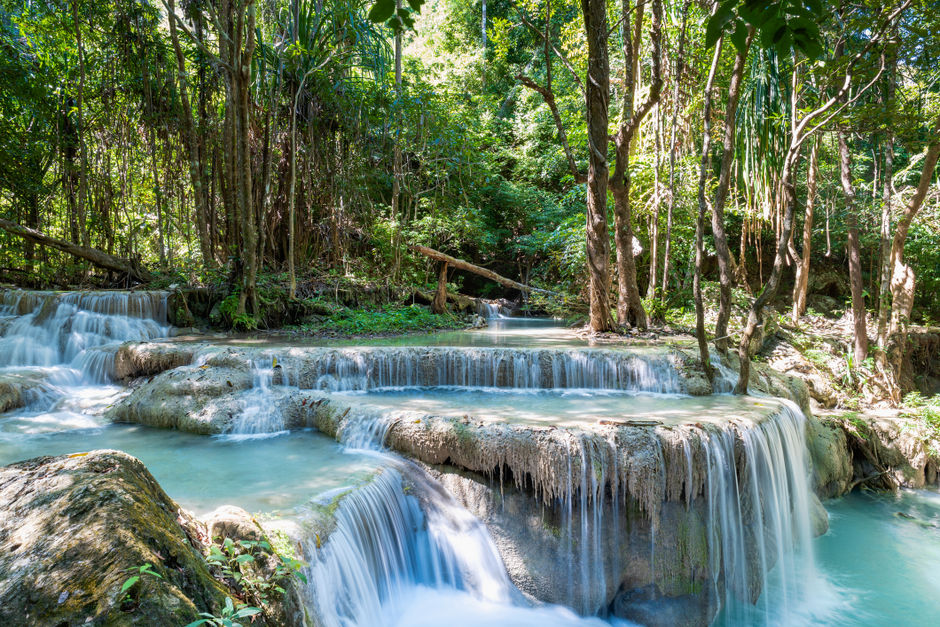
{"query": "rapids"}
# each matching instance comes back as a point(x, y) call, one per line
point(387, 541)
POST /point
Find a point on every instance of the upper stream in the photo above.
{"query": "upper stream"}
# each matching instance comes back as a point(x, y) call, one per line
point(415, 546)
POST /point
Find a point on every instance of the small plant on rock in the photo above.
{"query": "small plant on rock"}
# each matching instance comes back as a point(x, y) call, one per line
point(228, 617)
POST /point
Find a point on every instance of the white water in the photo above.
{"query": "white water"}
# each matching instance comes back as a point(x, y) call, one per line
point(65, 336)
point(260, 416)
point(367, 368)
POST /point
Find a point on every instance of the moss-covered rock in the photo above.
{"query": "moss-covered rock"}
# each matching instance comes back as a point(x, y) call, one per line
point(74, 529)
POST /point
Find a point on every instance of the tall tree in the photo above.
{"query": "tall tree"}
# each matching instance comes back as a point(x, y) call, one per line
point(597, 100)
point(629, 306)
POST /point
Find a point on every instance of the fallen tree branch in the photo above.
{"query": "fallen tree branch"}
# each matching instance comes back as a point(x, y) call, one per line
point(93, 255)
point(469, 267)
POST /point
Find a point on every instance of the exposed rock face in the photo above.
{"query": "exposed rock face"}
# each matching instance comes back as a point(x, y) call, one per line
point(882, 450)
point(832, 464)
point(198, 399)
point(73, 529)
point(205, 399)
point(145, 359)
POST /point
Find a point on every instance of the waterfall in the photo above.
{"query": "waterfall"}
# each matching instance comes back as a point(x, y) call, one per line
point(260, 416)
point(369, 368)
point(386, 542)
point(74, 331)
point(759, 523)
point(491, 310)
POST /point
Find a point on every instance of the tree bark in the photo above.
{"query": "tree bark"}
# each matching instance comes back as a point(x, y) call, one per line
point(725, 277)
point(460, 264)
point(93, 255)
point(902, 283)
point(801, 284)
point(597, 99)
point(677, 76)
point(704, 168)
point(439, 304)
point(860, 343)
point(629, 305)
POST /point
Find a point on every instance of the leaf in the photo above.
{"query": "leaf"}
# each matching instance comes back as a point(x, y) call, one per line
point(243, 559)
point(772, 32)
point(415, 5)
point(246, 611)
point(196, 623)
point(129, 583)
point(382, 10)
point(739, 35)
point(718, 21)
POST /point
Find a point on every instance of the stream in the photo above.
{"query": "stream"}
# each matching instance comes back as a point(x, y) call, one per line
point(405, 551)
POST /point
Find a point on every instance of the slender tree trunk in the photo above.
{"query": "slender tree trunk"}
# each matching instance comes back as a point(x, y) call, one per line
point(196, 168)
point(721, 194)
point(397, 214)
point(439, 304)
point(902, 276)
point(80, 131)
point(677, 79)
point(852, 248)
point(629, 306)
point(654, 234)
point(597, 98)
point(884, 291)
point(704, 169)
point(801, 284)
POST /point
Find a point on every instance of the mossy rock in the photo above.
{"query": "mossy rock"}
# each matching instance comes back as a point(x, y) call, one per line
point(74, 529)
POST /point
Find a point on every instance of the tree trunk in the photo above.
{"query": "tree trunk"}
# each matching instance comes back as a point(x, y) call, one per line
point(397, 214)
point(801, 284)
point(755, 316)
point(677, 76)
point(629, 306)
point(721, 194)
point(597, 98)
point(196, 169)
point(884, 289)
point(902, 276)
point(95, 256)
point(704, 169)
point(439, 304)
point(852, 249)
point(654, 230)
point(460, 264)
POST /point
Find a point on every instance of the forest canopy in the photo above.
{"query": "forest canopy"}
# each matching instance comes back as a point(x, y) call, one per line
point(621, 154)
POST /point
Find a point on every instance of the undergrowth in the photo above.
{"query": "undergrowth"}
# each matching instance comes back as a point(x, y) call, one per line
point(390, 319)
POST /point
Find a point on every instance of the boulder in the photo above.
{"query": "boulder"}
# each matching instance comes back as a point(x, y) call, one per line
point(145, 359)
point(74, 529)
point(832, 461)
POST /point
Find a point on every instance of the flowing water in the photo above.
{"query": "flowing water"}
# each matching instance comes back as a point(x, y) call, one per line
point(402, 551)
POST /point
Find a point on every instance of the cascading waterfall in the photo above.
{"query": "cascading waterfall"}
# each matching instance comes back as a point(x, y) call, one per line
point(369, 368)
point(760, 531)
point(260, 415)
point(388, 542)
point(72, 330)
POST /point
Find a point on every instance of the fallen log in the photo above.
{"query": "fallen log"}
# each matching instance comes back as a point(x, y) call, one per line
point(93, 255)
point(469, 267)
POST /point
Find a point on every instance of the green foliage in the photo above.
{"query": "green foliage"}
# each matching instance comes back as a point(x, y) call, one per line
point(130, 590)
point(229, 616)
point(780, 24)
point(391, 319)
point(236, 560)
